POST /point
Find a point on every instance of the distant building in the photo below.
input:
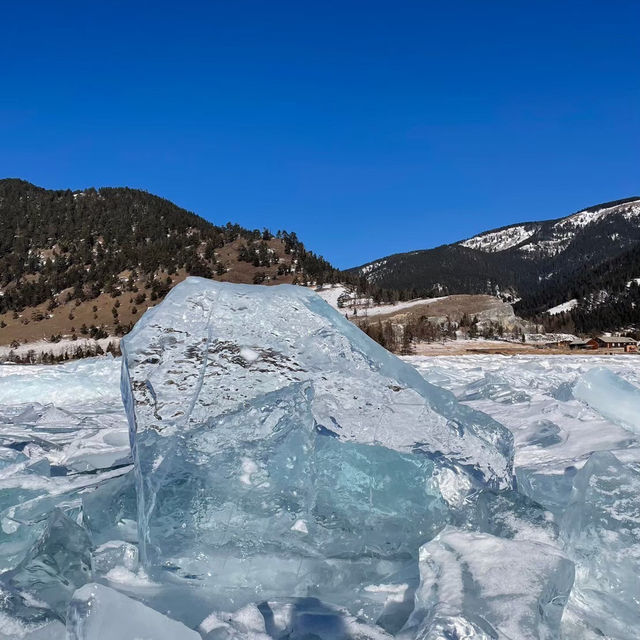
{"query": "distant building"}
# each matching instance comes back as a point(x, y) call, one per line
point(613, 344)
point(580, 344)
point(560, 344)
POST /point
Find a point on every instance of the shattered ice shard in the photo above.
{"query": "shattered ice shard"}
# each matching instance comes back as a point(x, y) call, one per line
point(552, 489)
point(507, 514)
point(109, 512)
point(611, 396)
point(602, 531)
point(475, 585)
point(97, 612)
point(112, 554)
point(257, 416)
point(57, 564)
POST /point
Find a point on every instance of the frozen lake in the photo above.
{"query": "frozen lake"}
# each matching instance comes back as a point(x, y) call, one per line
point(63, 432)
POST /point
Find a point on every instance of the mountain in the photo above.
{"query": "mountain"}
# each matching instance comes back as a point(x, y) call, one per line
point(603, 297)
point(90, 262)
point(590, 256)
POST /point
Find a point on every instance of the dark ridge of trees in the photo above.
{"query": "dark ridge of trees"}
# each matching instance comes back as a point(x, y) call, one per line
point(608, 297)
point(56, 240)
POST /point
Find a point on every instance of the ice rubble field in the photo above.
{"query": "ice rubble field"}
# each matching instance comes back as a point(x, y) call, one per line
point(291, 479)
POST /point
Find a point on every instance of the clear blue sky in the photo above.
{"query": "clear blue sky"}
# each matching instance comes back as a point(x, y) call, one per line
point(366, 127)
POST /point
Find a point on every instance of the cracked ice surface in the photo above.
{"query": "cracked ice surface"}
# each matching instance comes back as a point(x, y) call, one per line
point(578, 455)
point(63, 435)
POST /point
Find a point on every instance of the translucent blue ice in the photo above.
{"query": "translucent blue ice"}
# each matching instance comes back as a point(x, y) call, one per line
point(610, 395)
point(57, 564)
point(257, 416)
point(475, 585)
point(100, 613)
point(601, 528)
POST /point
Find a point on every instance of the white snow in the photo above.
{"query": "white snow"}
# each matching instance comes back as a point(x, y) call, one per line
point(300, 526)
point(546, 338)
point(501, 240)
point(548, 247)
point(581, 219)
point(366, 307)
point(561, 308)
point(331, 294)
point(561, 232)
point(369, 268)
point(249, 354)
point(399, 306)
point(56, 348)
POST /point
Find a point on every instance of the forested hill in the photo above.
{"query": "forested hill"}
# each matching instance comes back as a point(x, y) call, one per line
point(603, 297)
point(89, 262)
point(588, 258)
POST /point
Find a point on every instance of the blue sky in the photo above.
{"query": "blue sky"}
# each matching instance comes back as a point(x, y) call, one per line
point(367, 127)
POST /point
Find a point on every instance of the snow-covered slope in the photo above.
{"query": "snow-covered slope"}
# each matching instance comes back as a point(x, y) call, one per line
point(553, 237)
point(344, 300)
point(565, 306)
point(502, 239)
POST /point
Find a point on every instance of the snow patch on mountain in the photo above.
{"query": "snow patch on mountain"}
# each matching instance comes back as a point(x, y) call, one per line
point(561, 308)
point(369, 271)
point(343, 299)
point(629, 211)
point(550, 247)
point(553, 237)
point(331, 295)
point(500, 240)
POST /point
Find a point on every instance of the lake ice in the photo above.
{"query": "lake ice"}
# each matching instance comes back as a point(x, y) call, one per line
point(293, 478)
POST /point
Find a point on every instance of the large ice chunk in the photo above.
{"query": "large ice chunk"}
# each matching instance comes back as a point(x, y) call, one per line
point(551, 488)
point(602, 531)
point(291, 619)
point(257, 415)
point(212, 347)
point(507, 514)
point(475, 585)
point(245, 624)
point(610, 395)
point(97, 612)
point(263, 505)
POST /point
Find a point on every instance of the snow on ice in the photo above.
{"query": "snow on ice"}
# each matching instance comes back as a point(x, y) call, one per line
point(288, 478)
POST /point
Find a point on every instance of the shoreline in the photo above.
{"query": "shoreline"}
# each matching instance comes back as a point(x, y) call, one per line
point(45, 352)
